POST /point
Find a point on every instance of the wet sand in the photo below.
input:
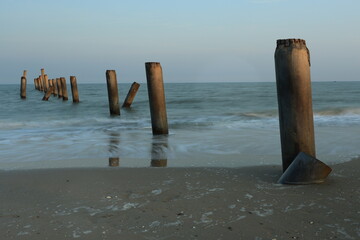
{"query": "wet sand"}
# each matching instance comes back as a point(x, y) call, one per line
point(178, 203)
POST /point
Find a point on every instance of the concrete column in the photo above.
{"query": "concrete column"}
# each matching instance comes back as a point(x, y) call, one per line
point(55, 92)
point(292, 66)
point(36, 84)
point(48, 93)
point(64, 89)
point(131, 95)
point(46, 82)
point(58, 84)
point(156, 93)
point(74, 89)
point(23, 88)
point(113, 93)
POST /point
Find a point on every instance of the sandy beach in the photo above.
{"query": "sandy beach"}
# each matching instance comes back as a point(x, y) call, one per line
point(178, 203)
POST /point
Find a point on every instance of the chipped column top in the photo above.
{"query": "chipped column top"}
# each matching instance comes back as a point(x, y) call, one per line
point(290, 41)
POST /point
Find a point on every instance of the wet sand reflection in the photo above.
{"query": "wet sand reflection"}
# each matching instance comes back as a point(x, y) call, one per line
point(114, 141)
point(159, 151)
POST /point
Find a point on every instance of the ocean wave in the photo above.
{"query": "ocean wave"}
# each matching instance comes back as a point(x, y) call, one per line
point(338, 112)
point(91, 123)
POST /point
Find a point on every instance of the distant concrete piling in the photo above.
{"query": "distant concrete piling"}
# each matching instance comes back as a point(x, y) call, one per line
point(55, 87)
point(23, 87)
point(48, 93)
point(64, 89)
point(292, 66)
point(74, 89)
point(46, 83)
point(113, 94)
point(36, 84)
point(42, 77)
point(41, 84)
point(156, 94)
point(131, 95)
point(58, 84)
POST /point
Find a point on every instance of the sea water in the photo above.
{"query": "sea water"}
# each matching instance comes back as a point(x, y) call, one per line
point(210, 125)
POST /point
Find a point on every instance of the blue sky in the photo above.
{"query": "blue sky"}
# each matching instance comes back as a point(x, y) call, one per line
point(195, 41)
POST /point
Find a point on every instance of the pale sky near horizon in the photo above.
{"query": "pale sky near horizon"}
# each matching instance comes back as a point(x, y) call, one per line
point(195, 41)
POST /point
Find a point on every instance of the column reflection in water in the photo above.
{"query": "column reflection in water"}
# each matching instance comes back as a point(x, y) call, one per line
point(114, 140)
point(159, 151)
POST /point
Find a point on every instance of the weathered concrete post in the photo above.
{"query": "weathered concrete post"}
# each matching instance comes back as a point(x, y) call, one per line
point(156, 94)
point(42, 77)
point(54, 83)
point(113, 94)
point(46, 82)
point(58, 84)
point(292, 66)
point(64, 89)
point(23, 88)
point(41, 88)
point(41, 84)
point(48, 93)
point(35, 84)
point(74, 89)
point(131, 95)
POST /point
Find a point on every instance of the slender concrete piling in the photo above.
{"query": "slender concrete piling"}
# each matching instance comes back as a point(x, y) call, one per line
point(131, 95)
point(292, 66)
point(74, 89)
point(24, 73)
point(64, 89)
point(42, 77)
point(156, 94)
point(58, 84)
point(55, 87)
point(46, 83)
point(113, 94)
point(48, 93)
point(23, 88)
point(36, 84)
point(41, 83)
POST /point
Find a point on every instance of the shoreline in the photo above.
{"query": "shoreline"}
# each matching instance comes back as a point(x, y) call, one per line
point(227, 161)
point(178, 203)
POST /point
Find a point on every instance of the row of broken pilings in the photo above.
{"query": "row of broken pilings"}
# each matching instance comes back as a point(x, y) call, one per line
point(55, 87)
point(292, 68)
point(156, 99)
point(155, 85)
